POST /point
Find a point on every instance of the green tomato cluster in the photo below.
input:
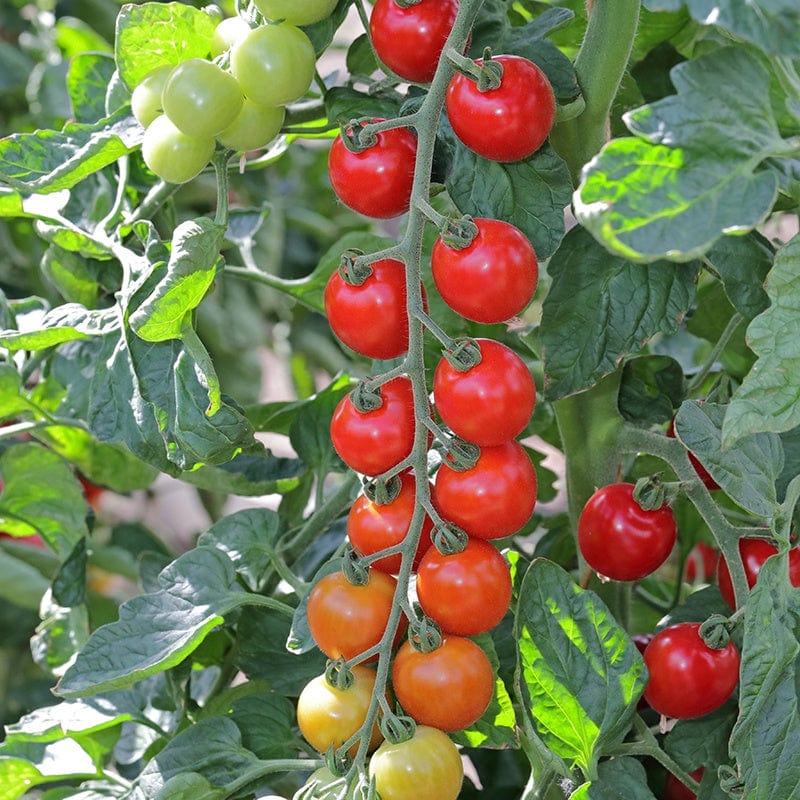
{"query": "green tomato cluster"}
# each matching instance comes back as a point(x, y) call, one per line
point(187, 108)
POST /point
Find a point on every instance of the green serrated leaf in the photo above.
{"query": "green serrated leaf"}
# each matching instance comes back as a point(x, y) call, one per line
point(343, 104)
point(580, 674)
point(11, 400)
point(69, 275)
point(188, 786)
point(266, 722)
point(59, 636)
point(62, 759)
point(249, 475)
point(62, 324)
point(360, 57)
point(618, 779)
point(87, 83)
point(693, 743)
point(69, 584)
point(17, 776)
point(601, 307)
point(651, 387)
point(20, 583)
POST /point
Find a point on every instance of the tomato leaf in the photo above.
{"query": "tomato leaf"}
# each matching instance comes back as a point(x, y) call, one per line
point(69, 584)
point(692, 176)
point(61, 324)
point(88, 78)
point(651, 387)
point(580, 674)
point(249, 475)
point(767, 398)
point(766, 736)
point(265, 720)
point(601, 307)
point(61, 633)
point(70, 275)
point(618, 779)
point(25, 764)
point(20, 583)
point(697, 742)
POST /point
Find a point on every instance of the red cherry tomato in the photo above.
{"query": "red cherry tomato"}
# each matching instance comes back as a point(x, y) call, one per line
point(687, 678)
point(702, 472)
point(621, 540)
point(448, 688)
point(508, 123)
point(409, 40)
point(701, 562)
point(754, 553)
point(492, 499)
point(375, 182)
point(372, 526)
point(371, 317)
point(675, 790)
point(490, 403)
point(372, 442)
point(466, 593)
point(490, 280)
point(346, 619)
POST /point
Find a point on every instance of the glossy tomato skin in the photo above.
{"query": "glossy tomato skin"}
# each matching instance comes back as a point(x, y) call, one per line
point(373, 442)
point(375, 182)
point(754, 553)
point(490, 403)
point(296, 13)
point(345, 619)
point(146, 97)
point(254, 127)
point(701, 562)
point(490, 280)
point(448, 688)
point(426, 766)
point(410, 40)
point(328, 716)
point(687, 678)
point(171, 154)
point(621, 540)
point(504, 124)
point(466, 593)
point(702, 472)
point(675, 790)
point(492, 499)
point(371, 317)
point(373, 526)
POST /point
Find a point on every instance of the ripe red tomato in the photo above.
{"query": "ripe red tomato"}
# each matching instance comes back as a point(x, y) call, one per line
point(466, 593)
point(675, 790)
point(702, 472)
point(687, 677)
point(490, 280)
point(490, 403)
point(754, 553)
point(372, 527)
point(370, 318)
point(494, 498)
point(345, 619)
point(448, 688)
point(701, 562)
point(504, 124)
point(409, 39)
point(92, 491)
point(426, 766)
point(620, 539)
point(375, 182)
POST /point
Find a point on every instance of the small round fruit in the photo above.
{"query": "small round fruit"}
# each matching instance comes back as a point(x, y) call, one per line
point(621, 540)
point(687, 678)
point(254, 127)
point(146, 98)
point(229, 31)
point(701, 562)
point(426, 766)
point(448, 688)
point(201, 99)
point(674, 789)
point(274, 64)
point(171, 154)
point(296, 13)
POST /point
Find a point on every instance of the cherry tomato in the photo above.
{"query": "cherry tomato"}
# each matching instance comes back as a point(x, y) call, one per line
point(375, 182)
point(345, 619)
point(146, 97)
point(620, 539)
point(200, 99)
point(171, 154)
point(409, 39)
point(229, 31)
point(448, 688)
point(687, 677)
point(426, 767)
point(254, 127)
point(92, 491)
point(490, 280)
point(490, 403)
point(34, 540)
point(702, 472)
point(701, 562)
point(372, 526)
point(466, 593)
point(326, 786)
point(754, 553)
point(372, 442)
point(328, 716)
point(674, 789)
point(504, 124)
point(371, 317)
point(274, 64)
point(494, 498)
point(296, 13)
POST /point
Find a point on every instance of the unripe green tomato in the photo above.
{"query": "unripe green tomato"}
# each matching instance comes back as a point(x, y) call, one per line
point(227, 33)
point(295, 12)
point(274, 64)
point(327, 786)
point(171, 154)
point(255, 127)
point(146, 97)
point(200, 98)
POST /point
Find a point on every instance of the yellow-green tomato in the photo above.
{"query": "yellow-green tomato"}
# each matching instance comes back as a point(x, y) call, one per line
point(325, 786)
point(171, 154)
point(227, 33)
point(425, 767)
point(146, 97)
point(330, 716)
point(255, 127)
point(200, 98)
point(296, 12)
point(274, 64)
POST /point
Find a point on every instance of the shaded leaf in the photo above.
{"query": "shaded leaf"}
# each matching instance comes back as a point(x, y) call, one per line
point(618, 779)
point(69, 584)
point(20, 583)
point(651, 387)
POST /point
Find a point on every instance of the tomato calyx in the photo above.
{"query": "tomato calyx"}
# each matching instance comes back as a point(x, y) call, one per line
point(487, 74)
point(449, 539)
point(366, 398)
point(459, 233)
point(650, 493)
point(730, 781)
point(460, 455)
point(716, 630)
point(354, 568)
point(407, 3)
point(424, 633)
point(353, 269)
point(338, 675)
point(396, 729)
point(463, 354)
point(382, 491)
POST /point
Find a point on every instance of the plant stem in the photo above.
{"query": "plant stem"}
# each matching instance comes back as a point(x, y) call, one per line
point(721, 343)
